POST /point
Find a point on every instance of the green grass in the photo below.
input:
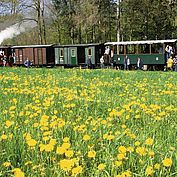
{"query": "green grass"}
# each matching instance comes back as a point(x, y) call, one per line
point(115, 108)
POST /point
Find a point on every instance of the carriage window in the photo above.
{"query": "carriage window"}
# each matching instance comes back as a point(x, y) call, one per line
point(131, 49)
point(89, 52)
point(144, 48)
point(157, 48)
point(115, 49)
point(61, 52)
point(121, 49)
point(73, 53)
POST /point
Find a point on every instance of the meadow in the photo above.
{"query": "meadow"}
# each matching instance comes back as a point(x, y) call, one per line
point(87, 123)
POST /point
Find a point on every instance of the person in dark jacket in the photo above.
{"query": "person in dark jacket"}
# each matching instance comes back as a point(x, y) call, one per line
point(27, 63)
point(89, 62)
point(139, 63)
point(125, 62)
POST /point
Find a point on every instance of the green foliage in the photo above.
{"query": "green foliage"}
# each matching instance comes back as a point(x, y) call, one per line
point(87, 21)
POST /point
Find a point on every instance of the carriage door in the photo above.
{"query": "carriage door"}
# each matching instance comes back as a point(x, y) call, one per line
point(90, 52)
point(73, 55)
point(20, 56)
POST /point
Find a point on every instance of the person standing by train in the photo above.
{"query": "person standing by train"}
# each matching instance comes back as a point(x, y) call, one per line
point(139, 63)
point(170, 64)
point(4, 61)
point(102, 62)
point(175, 63)
point(89, 62)
point(128, 64)
point(168, 51)
point(125, 62)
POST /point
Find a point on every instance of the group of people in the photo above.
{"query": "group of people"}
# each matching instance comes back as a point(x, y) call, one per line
point(127, 63)
point(170, 60)
point(6, 61)
point(11, 61)
point(172, 63)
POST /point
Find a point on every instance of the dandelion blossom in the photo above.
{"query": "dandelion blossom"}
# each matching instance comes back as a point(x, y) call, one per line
point(167, 162)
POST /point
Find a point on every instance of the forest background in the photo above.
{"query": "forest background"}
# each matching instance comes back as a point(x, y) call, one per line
point(88, 21)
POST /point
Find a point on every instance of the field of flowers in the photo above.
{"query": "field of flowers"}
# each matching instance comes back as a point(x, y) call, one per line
point(87, 123)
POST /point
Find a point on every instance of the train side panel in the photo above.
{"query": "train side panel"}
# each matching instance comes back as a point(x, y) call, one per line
point(148, 59)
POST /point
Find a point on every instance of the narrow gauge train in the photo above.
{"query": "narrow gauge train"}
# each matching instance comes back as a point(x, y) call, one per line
point(57, 55)
point(152, 52)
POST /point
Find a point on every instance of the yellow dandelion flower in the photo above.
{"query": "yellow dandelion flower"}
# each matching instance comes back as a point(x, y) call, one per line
point(149, 141)
point(18, 172)
point(6, 164)
point(122, 149)
point(66, 164)
point(137, 143)
point(103, 122)
point(130, 149)
point(118, 163)
point(119, 176)
point(110, 137)
point(124, 126)
point(149, 171)
point(121, 156)
point(31, 142)
point(60, 150)
point(35, 125)
point(141, 151)
point(157, 166)
point(126, 173)
point(151, 153)
point(28, 163)
point(86, 137)
point(101, 166)
point(167, 162)
point(4, 137)
point(105, 136)
point(66, 139)
point(49, 147)
point(69, 153)
point(42, 147)
point(8, 123)
point(77, 170)
point(12, 108)
point(91, 154)
point(53, 142)
point(66, 145)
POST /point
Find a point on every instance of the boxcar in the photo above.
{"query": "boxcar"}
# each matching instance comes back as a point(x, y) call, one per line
point(77, 54)
point(152, 52)
point(39, 55)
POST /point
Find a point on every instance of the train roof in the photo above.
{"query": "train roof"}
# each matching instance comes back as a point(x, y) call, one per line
point(32, 46)
point(77, 45)
point(5, 46)
point(142, 42)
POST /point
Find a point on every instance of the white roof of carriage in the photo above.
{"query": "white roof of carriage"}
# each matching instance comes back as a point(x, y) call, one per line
point(142, 42)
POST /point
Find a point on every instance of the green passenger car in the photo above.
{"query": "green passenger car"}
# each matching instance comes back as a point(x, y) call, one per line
point(77, 54)
point(152, 52)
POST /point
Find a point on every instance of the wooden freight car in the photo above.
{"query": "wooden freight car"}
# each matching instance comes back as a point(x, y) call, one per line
point(39, 55)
